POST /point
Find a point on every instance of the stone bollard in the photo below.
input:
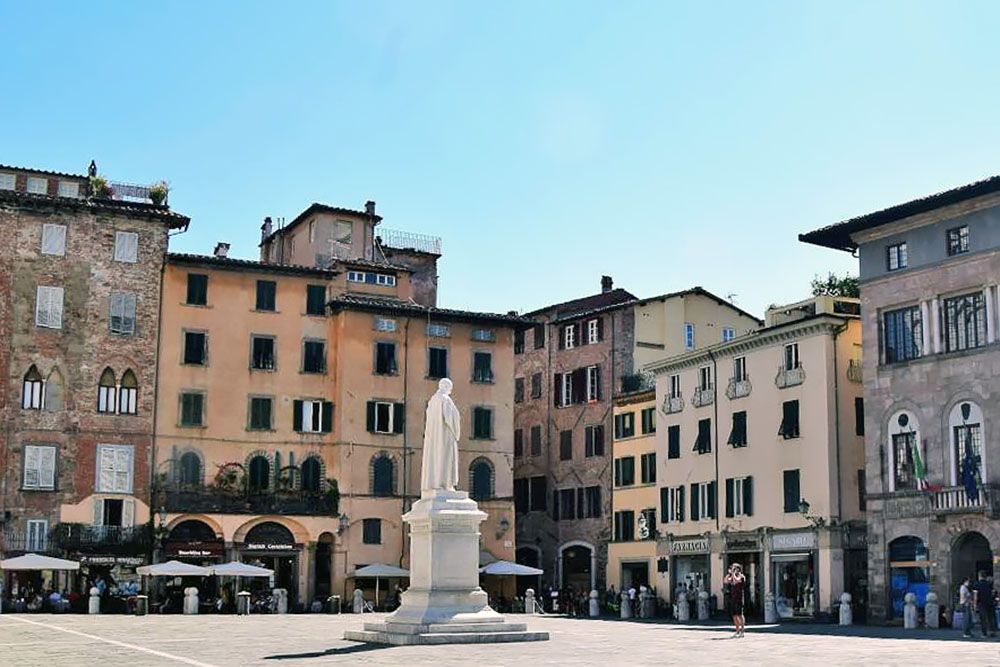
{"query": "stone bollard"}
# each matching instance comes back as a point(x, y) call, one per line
point(280, 600)
point(647, 605)
point(626, 605)
point(529, 601)
point(770, 610)
point(683, 611)
point(910, 611)
point(846, 615)
point(595, 605)
point(94, 604)
point(932, 611)
point(190, 600)
point(141, 605)
point(333, 604)
point(359, 602)
point(243, 603)
point(703, 606)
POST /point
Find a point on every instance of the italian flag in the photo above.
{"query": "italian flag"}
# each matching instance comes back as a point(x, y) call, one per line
point(920, 472)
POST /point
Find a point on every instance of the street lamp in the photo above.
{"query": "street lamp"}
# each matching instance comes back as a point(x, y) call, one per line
point(343, 524)
point(816, 521)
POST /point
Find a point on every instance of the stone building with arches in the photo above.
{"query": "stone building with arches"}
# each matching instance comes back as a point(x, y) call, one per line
point(929, 271)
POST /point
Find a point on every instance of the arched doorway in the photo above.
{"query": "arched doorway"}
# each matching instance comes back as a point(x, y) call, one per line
point(322, 565)
point(193, 541)
point(272, 545)
point(577, 565)
point(970, 554)
point(908, 571)
point(528, 556)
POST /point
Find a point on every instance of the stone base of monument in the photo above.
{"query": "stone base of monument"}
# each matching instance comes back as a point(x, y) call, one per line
point(444, 604)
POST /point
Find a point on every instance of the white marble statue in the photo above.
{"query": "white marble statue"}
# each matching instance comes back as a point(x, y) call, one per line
point(442, 430)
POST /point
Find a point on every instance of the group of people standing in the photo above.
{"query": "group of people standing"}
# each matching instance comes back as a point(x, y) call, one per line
point(978, 598)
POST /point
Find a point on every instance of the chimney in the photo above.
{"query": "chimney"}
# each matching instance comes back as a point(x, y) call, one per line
point(606, 284)
point(221, 250)
point(265, 229)
point(370, 208)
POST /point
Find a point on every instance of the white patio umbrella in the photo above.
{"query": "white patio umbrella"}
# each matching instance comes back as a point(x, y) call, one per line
point(174, 568)
point(503, 568)
point(237, 569)
point(379, 570)
point(38, 562)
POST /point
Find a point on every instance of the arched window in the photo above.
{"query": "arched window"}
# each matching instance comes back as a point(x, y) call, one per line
point(383, 471)
point(965, 424)
point(54, 391)
point(259, 473)
point(31, 397)
point(481, 479)
point(312, 475)
point(906, 461)
point(106, 391)
point(128, 394)
point(189, 469)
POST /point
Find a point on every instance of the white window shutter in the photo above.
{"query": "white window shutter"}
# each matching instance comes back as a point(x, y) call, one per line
point(123, 470)
point(128, 314)
point(106, 469)
point(42, 307)
point(31, 467)
point(53, 239)
point(98, 511)
point(128, 513)
point(307, 410)
point(117, 304)
point(55, 307)
point(47, 467)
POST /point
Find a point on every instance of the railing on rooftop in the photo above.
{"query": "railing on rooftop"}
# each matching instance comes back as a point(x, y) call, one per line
point(401, 240)
point(131, 192)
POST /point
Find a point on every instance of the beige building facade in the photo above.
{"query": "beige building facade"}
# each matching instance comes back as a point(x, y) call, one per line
point(760, 453)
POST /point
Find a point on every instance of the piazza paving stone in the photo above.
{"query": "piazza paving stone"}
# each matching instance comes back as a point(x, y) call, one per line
point(222, 641)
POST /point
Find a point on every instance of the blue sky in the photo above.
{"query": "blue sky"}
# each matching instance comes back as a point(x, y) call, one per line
point(548, 143)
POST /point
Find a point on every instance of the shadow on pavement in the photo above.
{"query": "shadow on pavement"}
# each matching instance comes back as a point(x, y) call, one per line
point(342, 650)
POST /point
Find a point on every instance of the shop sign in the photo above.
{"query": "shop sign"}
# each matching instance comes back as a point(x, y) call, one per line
point(88, 559)
point(696, 545)
point(742, 543)
point(786, 541)
point(193, 549)
point(261, 546)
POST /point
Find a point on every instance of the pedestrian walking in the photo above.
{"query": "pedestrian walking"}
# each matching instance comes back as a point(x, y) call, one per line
point(736, 584)
point(983, 594)
point(965, 605)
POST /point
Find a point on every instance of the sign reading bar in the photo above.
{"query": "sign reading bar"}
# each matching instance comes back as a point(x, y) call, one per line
point(193, 549)
point(693, 546)
point(784, 541)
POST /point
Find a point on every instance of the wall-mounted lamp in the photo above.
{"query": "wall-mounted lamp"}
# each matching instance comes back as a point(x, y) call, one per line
point(342, 524)
point(816, 521)
point(504, 526)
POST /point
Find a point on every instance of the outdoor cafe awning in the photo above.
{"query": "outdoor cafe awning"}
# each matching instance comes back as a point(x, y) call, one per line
point(237, 569)
point(380, 570)
point(38, 562)
point(506, 568)
point(174, 568)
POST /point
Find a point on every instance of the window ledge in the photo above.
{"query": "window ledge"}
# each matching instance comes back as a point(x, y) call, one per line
point(264, 370)
point(268, 312)
point(196, 305)
point(305, 372)
point(198, 426)
point(261, 430)
point(32, 489)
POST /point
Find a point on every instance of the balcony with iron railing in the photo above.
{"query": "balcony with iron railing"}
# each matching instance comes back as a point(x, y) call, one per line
point(854, 370)
point(80, 536)
point(738, 388)
point(401, 240)
point(789, 377)
point(224, 501)
point(21, 541)
point(673, 404)
point(703, 396)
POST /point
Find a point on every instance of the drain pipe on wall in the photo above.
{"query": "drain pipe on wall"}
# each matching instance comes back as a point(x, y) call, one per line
point(836, 416)
point(405, 466)
point(715, 410)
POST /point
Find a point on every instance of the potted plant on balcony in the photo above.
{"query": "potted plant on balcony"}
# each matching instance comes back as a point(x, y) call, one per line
point(158, 193)
point(228, 479)
point(99, 188)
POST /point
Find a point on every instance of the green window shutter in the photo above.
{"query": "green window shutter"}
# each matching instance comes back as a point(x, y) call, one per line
point(327, 425)
point(694, 502)
point(371, 417)
point(713, 506)
point(664, 503)
point(748, 496)
point(398, 417)
point(297, 415)
point(680, 504)
point(730, 512)
point(618, 472)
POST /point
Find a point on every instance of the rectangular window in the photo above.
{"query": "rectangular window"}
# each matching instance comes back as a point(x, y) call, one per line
point(789, 420)
point(266, 295)
point(539, 494)
point(69, 189)
point(565, 445)
point(38, 186)
point(674, 441)
point(482, 423)
point(372, 531)
point(791, 491)
point(518, 443)
point(648, 419)
point(49, 307)
point(903, 445)
point(791, 356)
point(39, 467)
point(484, 335)
point(114, 468)
point(536, 385)
point(594, 440)
point(521, 495)
point(624, 425)
point(964, 322)
point(262, 353)
point(728, 333)
point(37, 535)
point(195, 348)
point(675, 386)
point(437, 362)
point(738, 434)
point(371, 278)
point(121, 318)
point(314, 356)
point(593, 383)
point(482, 367)
point(7, 181)
point(315, 299)
point(260, 413)
point(536, 440)
point(312, 416)
point(739, 497)
point(703, 501)
point(958, 240)
point(703, 443)
point(569, 336)
point(862, 498)
point(519, 390)
point(343, 231)
point(385, 358)
point(519, 341)
point(192, 409)
point(197, 289)
point(436, 330)
point(625, 526)
point(902, 334)
point(592, 496)
point(647, 468)
point(385, 324)
point(564, 389)
point(625, 471)
point(672, 504)
point(567, 504)
point(53, 239)
point(126, 247)
point(688, 336)
point(859, 415)
point(705, 378)
point(538, 336)
point(594, 331)
point(968, 439)
point(385, 417)
point(740, 369)
point(896, 256)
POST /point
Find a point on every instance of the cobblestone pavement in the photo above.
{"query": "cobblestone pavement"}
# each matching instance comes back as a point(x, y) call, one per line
point(223, 641)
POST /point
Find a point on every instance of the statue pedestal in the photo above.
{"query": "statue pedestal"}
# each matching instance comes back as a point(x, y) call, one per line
point(444, 604)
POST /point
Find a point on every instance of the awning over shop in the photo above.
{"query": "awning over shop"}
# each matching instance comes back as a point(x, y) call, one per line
point(506, 568)
point(38, 562)
point(173, 568)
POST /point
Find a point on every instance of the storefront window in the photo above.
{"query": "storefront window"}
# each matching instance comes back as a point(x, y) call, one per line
point(692, 574)
point(908, 572)
point(794, 584)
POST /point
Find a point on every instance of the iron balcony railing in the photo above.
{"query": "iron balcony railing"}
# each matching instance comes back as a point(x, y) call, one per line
point(703, 396)
point(20, 541)
point(738, 388)
point(673, 404)
point(302, 503)
point(400, 240)
point(789, 377)
point(75, 536)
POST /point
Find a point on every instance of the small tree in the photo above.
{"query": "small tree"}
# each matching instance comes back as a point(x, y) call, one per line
point(834, 285)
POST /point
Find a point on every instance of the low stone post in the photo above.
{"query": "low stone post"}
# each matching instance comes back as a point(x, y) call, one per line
point(141, 605)
point(529, 601)
point(683, 611)
point(595, 605)
point(243, 603)
point(626, 605)
point(770, 610)
point(647, 606)
point(359, 601)
point(94, 604)
point(703, 606)
point(910, 611)
point(932, 611)
point(281, 600)
point(846, 615)
point(190, 600)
